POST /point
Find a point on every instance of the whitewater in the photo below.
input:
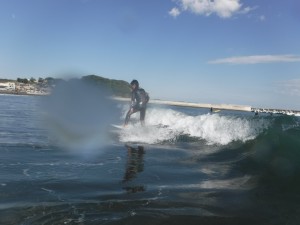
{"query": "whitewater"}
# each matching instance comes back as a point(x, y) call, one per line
point(167, 125)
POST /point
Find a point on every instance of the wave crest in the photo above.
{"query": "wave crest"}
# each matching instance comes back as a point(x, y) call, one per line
point(167, 125)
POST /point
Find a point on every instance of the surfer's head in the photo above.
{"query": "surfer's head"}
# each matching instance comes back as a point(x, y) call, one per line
point(134, 84)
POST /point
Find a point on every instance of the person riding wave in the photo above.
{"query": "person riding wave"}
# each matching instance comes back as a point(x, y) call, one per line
point(139, 100)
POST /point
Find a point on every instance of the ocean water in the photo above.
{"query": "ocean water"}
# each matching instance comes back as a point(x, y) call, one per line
point(186, 166)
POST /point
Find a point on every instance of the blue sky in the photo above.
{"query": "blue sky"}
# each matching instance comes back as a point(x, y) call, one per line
point(222, 51)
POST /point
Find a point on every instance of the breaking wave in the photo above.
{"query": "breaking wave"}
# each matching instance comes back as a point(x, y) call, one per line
point(168, 125)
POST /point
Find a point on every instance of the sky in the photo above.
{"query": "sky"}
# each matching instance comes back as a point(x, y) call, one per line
point(243, 52)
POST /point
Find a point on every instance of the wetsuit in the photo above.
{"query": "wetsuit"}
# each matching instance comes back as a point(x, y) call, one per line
point(139, 99)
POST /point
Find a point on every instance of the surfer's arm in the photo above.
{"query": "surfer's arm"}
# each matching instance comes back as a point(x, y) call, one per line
point(133, 99)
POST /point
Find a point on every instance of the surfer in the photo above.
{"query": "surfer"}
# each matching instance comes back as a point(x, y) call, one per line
point(139, 100)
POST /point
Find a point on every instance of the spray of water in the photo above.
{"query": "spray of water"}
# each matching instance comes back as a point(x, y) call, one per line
point(78, 115)
point(167, 125)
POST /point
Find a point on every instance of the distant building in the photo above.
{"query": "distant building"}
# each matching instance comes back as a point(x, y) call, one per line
point(8, 86)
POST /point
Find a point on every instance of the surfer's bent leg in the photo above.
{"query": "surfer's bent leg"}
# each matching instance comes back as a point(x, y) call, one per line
point(129, 113)
point(142, 115)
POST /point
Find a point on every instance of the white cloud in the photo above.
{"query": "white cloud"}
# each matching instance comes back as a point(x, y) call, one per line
point(247, 9)
point(255, 59)
point(174, 12)
point(262, 18)
point(290, 87)
point(222, 8)
point(226, 8)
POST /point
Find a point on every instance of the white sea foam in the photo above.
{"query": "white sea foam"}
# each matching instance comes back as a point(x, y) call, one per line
point(167, 125)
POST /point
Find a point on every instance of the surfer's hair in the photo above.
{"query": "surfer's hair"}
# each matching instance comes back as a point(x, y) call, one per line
point(134, 82)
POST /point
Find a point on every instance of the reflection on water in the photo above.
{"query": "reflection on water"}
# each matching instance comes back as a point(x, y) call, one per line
point(134, 165)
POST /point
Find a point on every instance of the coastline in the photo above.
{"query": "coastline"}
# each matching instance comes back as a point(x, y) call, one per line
point(22, 93)
point(243, 108)
point(196, 105)
point(231, 107)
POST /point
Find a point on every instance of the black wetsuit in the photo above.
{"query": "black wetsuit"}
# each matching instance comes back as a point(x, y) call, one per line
point(139, 99)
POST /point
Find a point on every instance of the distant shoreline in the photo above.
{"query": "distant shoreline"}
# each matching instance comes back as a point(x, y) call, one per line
point(20, 93)
point(185, 104)
point(232, 107)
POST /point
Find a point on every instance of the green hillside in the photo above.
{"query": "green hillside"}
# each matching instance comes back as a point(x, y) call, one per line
point(117, 87)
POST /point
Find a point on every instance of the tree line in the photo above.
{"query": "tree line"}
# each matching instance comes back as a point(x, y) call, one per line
point(40, 80)
point(116, 87)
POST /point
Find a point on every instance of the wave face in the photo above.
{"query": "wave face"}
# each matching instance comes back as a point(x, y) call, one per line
point(169, 125)
point(275, 155)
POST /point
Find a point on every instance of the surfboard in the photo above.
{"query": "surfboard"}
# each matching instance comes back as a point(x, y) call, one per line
point(117, 126)
point(138, 126)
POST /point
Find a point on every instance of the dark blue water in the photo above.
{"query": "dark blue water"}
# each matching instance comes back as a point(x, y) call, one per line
point(185, 167)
